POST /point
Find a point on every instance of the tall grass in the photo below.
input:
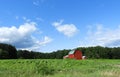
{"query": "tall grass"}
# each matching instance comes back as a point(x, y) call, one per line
point(59, 68)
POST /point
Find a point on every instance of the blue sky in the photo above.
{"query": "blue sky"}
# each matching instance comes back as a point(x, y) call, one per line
point(50, 25)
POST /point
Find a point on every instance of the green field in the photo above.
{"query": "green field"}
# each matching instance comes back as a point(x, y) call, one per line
point(59, 68)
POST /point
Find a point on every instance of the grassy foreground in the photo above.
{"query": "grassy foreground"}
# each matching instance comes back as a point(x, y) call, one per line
point(59, 68)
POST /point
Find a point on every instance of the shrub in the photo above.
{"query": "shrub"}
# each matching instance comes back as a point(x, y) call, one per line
point(44, 69)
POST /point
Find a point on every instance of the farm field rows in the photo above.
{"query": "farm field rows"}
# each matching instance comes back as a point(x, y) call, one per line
point(59, 68)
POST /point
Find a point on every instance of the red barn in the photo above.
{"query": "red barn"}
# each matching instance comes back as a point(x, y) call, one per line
point(74, 54)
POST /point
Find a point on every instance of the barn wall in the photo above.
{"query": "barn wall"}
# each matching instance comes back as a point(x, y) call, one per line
point(71, 56)
point(78, 54)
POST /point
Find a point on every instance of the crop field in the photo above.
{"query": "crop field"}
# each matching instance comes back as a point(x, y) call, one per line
point(59, 68)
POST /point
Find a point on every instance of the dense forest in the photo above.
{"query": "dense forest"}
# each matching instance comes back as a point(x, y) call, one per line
point(10, 52)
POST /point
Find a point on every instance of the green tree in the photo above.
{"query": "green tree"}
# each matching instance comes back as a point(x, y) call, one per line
point(3, 54)
point(24, 54)
point(9, 50)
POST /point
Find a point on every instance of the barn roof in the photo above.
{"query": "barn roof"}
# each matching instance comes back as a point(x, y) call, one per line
point(72, 52)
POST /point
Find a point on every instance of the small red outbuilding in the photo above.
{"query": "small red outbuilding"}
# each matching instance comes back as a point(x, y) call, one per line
point(74, 54)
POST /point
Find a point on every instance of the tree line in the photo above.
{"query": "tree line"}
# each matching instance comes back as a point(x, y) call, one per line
point(8, 51)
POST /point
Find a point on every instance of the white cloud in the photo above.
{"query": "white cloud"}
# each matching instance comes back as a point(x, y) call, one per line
point(102, 36)
point(67, 29)
point(22, 37)
point(38, 44)
point(38, 2)
point(39, 19)
point(26, 19)
point(45, 40)
point(16, 17)
point(27, 28)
